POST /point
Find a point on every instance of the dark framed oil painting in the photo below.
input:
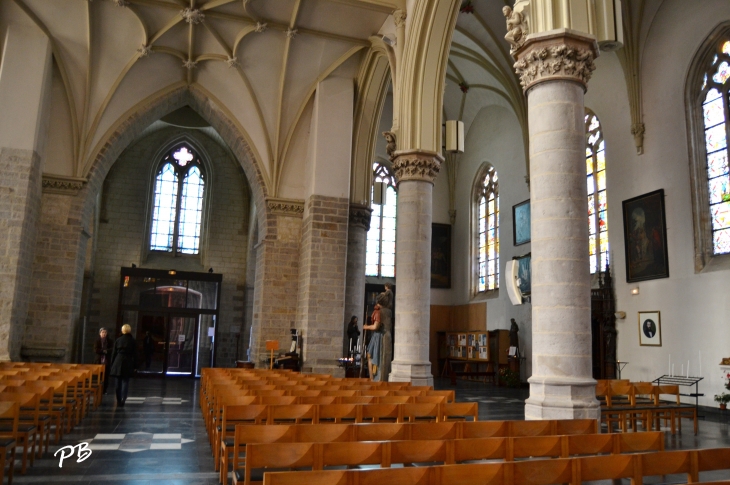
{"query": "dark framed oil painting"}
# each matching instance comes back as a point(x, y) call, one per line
point(524, 273)
point(645, 237)
point(521, 222)
point(440, 255)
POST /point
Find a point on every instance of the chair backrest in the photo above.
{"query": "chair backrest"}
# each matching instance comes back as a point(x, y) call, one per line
point(293, 412)
point(338, 412)
point(394, 399)
point(459, 411)
point(323, 433)
point(429, 399)
point(10, 411)
point(413, 411)
point(672, 390)
point(353, 453)
point(417, 451)
point(376, 412)
point(358, 399)
point(274, 455)
point(380, 432)
point(277, 400)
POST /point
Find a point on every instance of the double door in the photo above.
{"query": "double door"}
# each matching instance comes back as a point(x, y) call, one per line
point(168, 343)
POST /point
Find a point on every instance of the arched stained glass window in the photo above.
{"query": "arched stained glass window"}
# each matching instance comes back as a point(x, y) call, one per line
point(487, 204)
point(715, 110)
point(178, 203)
point(380, 252)
point(597, 196)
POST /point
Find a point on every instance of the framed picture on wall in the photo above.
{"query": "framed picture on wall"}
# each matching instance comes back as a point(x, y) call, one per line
point(521, 222)
point(645, 237)
point(650, 329)
point(524, 273)
point(440, 255)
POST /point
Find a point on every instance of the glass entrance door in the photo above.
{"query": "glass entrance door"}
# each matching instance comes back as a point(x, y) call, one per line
point(151, 342)
point(181, 347)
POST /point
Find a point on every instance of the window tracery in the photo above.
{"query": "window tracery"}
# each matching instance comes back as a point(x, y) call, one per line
point(597, 195)
point(486, 198)
point(178, 203)
point(380, 252)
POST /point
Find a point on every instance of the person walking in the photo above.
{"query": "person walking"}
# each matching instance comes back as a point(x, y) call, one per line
point(124, 361)
point(375, 346)
point(103, 350)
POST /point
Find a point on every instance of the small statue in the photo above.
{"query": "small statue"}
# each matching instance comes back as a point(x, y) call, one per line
point(516, 28)
point(390, 148)
point(514, 340)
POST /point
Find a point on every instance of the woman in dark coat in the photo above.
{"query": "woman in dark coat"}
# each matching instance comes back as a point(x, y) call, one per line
point(124, 361)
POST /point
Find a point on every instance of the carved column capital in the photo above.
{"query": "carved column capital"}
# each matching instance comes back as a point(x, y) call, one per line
point(417, 165)
point(556, 55)
point(399, 17)
point(360, 216)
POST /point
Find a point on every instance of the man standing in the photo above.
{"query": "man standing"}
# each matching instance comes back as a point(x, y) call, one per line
point(385, 300)
point(103, 351)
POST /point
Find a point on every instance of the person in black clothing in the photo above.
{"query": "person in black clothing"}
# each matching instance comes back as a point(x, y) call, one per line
point(148, 345)
point(124, 361)
point(353, 333)
point(103, 351)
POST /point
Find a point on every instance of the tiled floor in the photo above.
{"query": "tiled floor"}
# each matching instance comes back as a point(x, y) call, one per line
point(159, 438)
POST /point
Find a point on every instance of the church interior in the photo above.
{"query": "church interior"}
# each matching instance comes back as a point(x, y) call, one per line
point(526, 203)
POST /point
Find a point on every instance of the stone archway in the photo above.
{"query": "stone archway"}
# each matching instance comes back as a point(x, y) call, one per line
point(55, 299)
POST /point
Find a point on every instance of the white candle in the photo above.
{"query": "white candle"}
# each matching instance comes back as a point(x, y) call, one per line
point(350, 345)
point(669, 365)
point(700, 364)
point(688, 369)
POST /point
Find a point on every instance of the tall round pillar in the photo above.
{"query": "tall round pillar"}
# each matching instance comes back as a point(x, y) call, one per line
point(357, 235)
point(554, 69)
point(415, 172)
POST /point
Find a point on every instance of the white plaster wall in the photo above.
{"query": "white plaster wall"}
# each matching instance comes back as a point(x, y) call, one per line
point(694, 307)
point(495, 137)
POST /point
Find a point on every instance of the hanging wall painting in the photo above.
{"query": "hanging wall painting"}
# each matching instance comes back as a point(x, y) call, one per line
point(521, 222)
point(440, 255)
point(650, 329)
point(524, 273)
point(645, 237)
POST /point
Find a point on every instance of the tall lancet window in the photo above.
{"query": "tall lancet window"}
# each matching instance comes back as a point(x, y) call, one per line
point(597, 197)
point(486, 198)
point(178, 203)
point(380, 253)
point(715, 111)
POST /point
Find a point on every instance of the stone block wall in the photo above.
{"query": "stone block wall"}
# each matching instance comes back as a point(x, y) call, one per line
point(60, 253)
point(20, 193)
point(122, 239)
point(323, 263)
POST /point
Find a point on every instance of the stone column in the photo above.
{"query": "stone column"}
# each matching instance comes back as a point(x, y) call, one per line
point(357, 239)
point(554, 68)
point(415, 172)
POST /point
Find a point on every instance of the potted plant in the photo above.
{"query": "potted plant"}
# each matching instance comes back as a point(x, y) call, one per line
point(723, 399)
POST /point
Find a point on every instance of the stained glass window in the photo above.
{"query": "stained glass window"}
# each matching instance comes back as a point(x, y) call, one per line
point(487, 202)
point(714, 99)
point(178, 203)
point(380, 252)
point(597, 199)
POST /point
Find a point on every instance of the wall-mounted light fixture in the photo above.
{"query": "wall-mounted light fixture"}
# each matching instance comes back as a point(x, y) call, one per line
point(635, 291)
point(172, 272)
point(454, 139)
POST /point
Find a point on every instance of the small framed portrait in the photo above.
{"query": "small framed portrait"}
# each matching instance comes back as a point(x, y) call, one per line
point(521, 222)
point(650, 329)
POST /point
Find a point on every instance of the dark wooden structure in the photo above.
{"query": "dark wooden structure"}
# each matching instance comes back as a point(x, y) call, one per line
point(603, 327)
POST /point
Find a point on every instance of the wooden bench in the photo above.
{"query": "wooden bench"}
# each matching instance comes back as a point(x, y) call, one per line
point(534, 472)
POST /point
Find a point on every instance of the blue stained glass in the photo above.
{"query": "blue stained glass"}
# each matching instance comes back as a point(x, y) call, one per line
point(165, 208)
point(722, 74)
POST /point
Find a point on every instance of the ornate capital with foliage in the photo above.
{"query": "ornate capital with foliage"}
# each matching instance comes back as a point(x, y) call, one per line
point(561, 55)
point(59, 184)
point(360, 216)
point(416, 165)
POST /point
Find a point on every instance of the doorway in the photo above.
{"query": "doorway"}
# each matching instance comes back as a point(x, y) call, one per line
point(173, 316)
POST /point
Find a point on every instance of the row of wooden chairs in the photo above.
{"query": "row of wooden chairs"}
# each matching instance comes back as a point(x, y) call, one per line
point(261, 457)
point(634, 467)
point(35, 398)
point(337, 433)
point(627, 404)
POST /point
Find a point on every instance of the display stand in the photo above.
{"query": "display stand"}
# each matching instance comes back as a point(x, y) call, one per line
point(683, 381)
point(620, 366)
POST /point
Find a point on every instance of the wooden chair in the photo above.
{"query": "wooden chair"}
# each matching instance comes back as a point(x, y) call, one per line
point(338, 413)
point(413, 412)
point(317, 400)
point(293, 414)
point(459, 411)
point(9, 414)
point(375, 413)
point(26, 435)
point(232, 415)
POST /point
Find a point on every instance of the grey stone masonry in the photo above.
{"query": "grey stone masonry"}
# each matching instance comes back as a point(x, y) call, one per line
point(275, 291)
point(356, 248)
point(55, 296)
point(20, 195)
point(321, 302)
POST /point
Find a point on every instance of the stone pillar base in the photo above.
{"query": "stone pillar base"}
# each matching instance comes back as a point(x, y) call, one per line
point(417, 373)
point(552, 398)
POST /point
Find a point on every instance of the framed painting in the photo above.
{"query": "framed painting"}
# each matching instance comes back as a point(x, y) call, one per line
point(521, 222)
point(440, 255)
point(645, 237)
point(524, 274)
point(650, 329)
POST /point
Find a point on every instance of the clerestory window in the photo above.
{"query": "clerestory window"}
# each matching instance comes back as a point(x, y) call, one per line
point(597, 196)
point(486, 199)
point(380, 252)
